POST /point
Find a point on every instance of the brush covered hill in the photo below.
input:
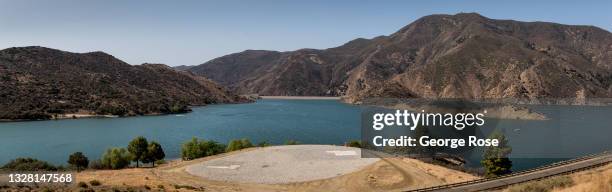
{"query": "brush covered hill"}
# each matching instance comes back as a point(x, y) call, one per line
point(438, 56)
point(43, 83)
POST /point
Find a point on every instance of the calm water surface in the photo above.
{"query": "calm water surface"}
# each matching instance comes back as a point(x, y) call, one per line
point(274, 121)
point(573, 131)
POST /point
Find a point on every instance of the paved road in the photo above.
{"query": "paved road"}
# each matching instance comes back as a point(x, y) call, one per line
point(520, 178)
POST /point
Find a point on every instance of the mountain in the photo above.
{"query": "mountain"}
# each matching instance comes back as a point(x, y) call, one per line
point(182, 67)
point(438, 56)
point(43, 83)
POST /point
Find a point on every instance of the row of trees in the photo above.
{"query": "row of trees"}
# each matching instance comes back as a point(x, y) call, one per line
point(138, 150)
point(196, 148)
point(145, 152)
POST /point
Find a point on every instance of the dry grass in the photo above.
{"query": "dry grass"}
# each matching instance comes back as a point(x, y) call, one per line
point(441, 172)
point(389, 174)
point(596, 180)
point(599, 179)
point(545, 185)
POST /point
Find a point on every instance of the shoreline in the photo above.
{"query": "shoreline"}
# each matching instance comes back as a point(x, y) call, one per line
point(300, 97)
point(74, 116)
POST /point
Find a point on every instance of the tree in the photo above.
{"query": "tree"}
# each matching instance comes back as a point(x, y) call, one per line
point(154, 153)
point(354, 143)
point(138, 148)
point(263, 144)
point(116, 158)
point(246, 143)
point(495, 159)
point(196, 148)
point(78, 160)
point(191, 149)
point(233, 145)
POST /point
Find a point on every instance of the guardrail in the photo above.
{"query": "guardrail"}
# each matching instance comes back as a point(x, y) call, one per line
point(557, 164)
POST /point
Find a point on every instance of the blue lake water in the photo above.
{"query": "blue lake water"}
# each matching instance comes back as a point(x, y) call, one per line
point(274, 121)
point(571, 132)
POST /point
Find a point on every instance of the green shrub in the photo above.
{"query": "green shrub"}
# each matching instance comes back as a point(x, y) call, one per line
point(96, 164)
point(95, 183)
point(116, 158)
point(235, 145)
point(28, 164)
point(291, 142)
point(263, 144)
point(543, 185)
point(354, 143)
point(196, 148)
point(78, 160)
point(160, 162)
point(246, 143)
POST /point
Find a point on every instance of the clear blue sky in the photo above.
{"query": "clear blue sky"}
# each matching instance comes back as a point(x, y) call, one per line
point(192, 32)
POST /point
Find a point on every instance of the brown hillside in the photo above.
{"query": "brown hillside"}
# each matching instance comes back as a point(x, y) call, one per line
point(438, 56)
point(40, 83)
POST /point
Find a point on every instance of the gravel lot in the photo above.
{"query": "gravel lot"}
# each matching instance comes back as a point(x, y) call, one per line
point(283, 164)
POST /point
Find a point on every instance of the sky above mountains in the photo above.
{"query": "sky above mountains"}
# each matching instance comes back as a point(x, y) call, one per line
point(193, 32)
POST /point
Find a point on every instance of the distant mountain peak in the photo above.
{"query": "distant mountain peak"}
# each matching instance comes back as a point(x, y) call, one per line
point(465, 55)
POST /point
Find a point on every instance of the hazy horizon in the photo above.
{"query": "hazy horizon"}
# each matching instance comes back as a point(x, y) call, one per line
point(193, 32)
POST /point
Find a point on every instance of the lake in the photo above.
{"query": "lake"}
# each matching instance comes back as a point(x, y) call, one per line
point(274, 121)
point(573, 130)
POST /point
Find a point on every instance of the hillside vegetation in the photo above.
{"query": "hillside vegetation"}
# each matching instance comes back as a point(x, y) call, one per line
point(43, 83)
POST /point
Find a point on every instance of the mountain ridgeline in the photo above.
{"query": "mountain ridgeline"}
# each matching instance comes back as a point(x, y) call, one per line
point(438, 56)
point(43, 83)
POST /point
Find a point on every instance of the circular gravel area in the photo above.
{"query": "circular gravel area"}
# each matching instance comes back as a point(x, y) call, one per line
point(283, 164)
